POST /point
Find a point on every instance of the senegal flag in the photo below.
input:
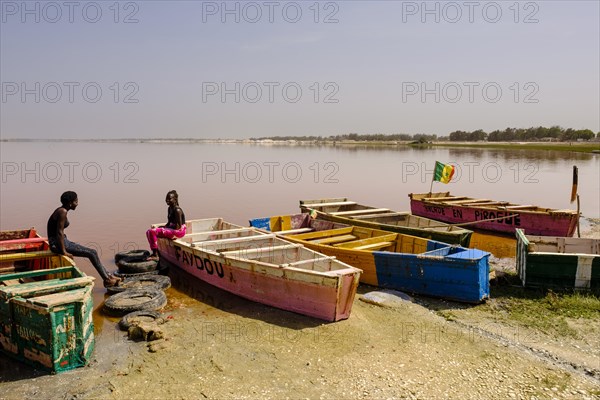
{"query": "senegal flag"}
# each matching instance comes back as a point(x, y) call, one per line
point(443, 172)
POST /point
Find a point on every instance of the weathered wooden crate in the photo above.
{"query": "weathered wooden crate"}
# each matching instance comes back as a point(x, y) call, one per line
point(46, 318)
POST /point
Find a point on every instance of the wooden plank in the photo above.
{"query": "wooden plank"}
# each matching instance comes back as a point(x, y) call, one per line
point(488, 203)
point(221, 232)
point(39, 272)
point(56, 299)
point(382, 215)
point(321, 234)
point(236, 240)
point(361, 242)
point(48, 286)
point(270, 249)
point(27, 256)
point(366, 211)
point(467, 201)
point(330, 204)
point(524, 206)
point(27, 240)
point(310, 260)
point(334, 239)
point(444, 198)
point(10, 282)
point(293, 231)
point(373, 246)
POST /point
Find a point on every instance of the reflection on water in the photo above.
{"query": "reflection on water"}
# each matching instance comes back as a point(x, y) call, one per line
point(549, 156)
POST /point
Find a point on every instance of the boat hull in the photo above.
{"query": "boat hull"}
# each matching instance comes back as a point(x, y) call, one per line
point(554, 223)
point(558, 262)
point(462, 276)
point(327, 295)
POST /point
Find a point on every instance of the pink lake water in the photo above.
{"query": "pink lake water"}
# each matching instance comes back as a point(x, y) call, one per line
point(122, 186)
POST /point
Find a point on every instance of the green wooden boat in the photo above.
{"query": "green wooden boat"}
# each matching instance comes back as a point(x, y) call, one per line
point(558, 262)
point(46, 314)
point(349, 212)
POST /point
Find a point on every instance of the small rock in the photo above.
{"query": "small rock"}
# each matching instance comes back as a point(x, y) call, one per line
point(157, 345)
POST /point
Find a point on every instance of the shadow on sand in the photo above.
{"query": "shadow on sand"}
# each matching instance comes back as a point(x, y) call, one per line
point(231, 303)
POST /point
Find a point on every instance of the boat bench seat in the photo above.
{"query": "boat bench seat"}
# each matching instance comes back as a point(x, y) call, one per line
point(373, 246)
point(294, 231)
point(27, 256)
point(329, 204)
point(334, 239)
point(365, 211)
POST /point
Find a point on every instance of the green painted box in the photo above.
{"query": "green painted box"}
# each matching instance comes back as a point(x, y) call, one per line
point(46, 318)
point(558, 262)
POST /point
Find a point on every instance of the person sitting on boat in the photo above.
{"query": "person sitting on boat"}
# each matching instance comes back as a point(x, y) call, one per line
point(59, 243)
point(174, 229)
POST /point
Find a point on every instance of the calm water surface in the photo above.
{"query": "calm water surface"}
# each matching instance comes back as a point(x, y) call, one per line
point(122, 187)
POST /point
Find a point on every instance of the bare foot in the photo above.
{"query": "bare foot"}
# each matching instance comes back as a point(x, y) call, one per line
point(112, 281)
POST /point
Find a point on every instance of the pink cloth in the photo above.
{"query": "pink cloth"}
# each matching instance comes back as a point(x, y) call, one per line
point(154, 233)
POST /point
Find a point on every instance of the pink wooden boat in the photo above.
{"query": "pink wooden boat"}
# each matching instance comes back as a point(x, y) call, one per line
point(491, 215)
point(264, 268)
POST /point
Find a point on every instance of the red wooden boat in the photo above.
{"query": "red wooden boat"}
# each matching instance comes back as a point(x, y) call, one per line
point(19, 242)
point(491, 215)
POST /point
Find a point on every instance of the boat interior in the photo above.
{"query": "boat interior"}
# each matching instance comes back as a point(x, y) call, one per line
point(563, 245)
point(447, 199)
point(221, 238)
point(357, 238)
point(342, 207)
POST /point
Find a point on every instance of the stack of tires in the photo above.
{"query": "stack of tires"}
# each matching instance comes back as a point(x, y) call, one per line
point(141, 290)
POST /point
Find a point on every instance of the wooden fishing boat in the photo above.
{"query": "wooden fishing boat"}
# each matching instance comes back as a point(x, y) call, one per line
point(22, 241)
point(46, 314)
point(345, 211)
point(393, 260)
point(558, 262)
point(491, 215)
point(264, 268)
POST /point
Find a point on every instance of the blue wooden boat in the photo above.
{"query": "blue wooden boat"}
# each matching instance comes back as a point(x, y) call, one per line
point(392, 260)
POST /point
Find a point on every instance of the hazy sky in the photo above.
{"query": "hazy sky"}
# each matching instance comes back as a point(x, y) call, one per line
point(106, 69)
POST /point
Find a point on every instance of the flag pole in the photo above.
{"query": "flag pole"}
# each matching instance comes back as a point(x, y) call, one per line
point(578, 233)
point(432, 180)
point(575, 195)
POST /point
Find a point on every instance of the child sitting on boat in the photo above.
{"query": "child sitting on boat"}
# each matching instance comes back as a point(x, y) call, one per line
point(175, 227)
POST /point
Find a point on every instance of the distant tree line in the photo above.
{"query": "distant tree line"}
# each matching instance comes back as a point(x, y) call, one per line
point(555, 133)
point(378, 137)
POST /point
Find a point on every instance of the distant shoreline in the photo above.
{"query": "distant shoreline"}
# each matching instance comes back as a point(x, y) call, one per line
point(582, 147)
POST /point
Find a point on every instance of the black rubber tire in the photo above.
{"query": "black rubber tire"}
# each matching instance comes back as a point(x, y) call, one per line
point(135, 300)
point(133, 265)
point(136, 317)
point(123, 275)
point(141, 281)
point(143, 254)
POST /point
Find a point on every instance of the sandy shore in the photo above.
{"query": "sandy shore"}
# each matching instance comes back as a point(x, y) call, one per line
point(220, 346)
